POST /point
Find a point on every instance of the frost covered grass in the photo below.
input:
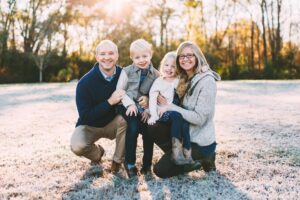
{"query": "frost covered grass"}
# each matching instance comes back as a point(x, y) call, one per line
point(258, 152)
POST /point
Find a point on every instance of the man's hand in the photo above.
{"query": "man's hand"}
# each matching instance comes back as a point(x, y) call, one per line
point(161, 100)
point(144, 102)
point(131, 110)
point(116, 97)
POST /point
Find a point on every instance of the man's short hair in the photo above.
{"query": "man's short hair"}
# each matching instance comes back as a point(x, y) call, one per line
point(140, 45)
point(106, 42)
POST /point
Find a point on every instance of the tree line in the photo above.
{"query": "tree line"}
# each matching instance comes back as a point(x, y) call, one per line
point(52, 40)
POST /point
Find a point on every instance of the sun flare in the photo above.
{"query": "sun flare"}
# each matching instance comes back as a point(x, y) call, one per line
point(114, 6)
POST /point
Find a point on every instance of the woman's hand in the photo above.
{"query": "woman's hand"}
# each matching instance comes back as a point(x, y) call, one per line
point(162, 110)
point(161, 100)
point(145, 117)
point(131, 110)
point(144, 102)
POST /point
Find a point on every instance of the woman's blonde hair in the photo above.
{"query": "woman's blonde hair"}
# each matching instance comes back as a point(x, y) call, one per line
point(200, 66)
point(169, 55)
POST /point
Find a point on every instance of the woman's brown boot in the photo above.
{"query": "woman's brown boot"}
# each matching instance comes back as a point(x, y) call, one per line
point(177, 154)
point(188, 156)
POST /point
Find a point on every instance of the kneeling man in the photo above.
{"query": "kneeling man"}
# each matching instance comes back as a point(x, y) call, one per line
point(96, 98)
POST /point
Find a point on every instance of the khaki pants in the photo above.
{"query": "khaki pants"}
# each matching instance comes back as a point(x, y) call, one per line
point(84, 137)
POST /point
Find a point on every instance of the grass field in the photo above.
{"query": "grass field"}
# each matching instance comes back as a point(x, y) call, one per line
point(258, 152)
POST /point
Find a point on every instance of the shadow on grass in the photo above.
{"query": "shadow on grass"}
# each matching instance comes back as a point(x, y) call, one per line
point(196, 185)
point(114, 186)
point(207, 186)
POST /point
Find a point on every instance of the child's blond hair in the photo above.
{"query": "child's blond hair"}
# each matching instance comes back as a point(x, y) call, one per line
point(140, 45)
point(169, 55)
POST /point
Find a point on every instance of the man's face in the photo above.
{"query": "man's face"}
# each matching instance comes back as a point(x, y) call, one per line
point(141, 59)
point(107, 56)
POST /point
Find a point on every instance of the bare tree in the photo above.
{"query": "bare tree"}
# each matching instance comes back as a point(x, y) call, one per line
point(160, 9)
point(33, 30)
point(6, 19)
point(195, 13)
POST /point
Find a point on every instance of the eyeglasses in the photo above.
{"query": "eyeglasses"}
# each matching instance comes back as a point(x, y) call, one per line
point(188, 56)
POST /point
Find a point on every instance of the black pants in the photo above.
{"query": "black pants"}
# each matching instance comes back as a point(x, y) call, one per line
point(165, 167)
point(134, 127)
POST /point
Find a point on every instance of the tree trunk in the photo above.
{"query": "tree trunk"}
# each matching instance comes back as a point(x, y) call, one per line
point(264, 37)
point(41, 75)
point(252, 45)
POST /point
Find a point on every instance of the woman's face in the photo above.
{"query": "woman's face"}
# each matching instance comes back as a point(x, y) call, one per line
point(187, 60)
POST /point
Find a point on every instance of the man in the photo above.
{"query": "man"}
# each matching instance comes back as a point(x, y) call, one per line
point(96, 98)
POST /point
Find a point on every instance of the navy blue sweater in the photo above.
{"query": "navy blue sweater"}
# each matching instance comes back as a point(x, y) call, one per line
point(92, 93)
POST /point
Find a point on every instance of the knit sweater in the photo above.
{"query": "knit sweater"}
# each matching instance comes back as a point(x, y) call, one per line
point(199, 107)
point(164, 88)
point(92, 93)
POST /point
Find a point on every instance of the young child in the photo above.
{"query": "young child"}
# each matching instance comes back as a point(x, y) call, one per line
point(165, 86)
point(136, 79)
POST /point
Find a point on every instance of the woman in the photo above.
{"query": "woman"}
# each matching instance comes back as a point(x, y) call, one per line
point(197, 88)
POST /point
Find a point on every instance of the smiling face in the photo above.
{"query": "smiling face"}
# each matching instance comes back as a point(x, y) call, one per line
point(169, 68)
point(187, 60)
point(141, 59)
point(107, 56)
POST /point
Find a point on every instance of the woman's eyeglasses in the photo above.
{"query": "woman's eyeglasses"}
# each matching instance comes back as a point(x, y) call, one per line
point(188, 56)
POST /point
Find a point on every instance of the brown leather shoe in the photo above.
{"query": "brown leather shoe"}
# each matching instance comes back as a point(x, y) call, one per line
point(115, 167)
point(101, 152)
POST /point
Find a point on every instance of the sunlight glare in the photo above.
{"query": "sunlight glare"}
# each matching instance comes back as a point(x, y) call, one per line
point(114, 6)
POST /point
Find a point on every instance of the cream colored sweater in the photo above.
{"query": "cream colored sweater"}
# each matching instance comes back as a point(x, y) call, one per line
point(164, 88)
point(199, 107)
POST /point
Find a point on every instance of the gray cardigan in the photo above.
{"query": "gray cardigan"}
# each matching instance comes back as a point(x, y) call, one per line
point(199, 107)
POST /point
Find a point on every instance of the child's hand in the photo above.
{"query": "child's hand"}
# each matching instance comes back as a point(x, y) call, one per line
point(151, 120)
point(144, 101)
point(131, 110)
point(162, 110)
point(145, 116)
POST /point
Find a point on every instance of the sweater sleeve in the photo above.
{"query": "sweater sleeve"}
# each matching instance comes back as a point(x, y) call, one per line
point(86, 110)
point(205, 103)
point(122, 84)
point(154, 91)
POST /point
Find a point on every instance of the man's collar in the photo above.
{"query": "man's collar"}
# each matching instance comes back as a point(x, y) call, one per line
point(105, 76)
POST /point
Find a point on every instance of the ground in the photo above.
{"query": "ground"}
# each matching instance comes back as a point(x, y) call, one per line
point(258, 151)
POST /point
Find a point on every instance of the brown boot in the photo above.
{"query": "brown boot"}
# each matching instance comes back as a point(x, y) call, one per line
point(177, 154)
point(188, 156)
point(115, 167)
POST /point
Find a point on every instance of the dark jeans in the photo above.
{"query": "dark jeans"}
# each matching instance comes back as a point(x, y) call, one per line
point(179, 127)
point(134, 127)
point(165, 167)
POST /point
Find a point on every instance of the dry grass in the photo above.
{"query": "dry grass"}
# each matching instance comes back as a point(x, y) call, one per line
point(258, 153)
